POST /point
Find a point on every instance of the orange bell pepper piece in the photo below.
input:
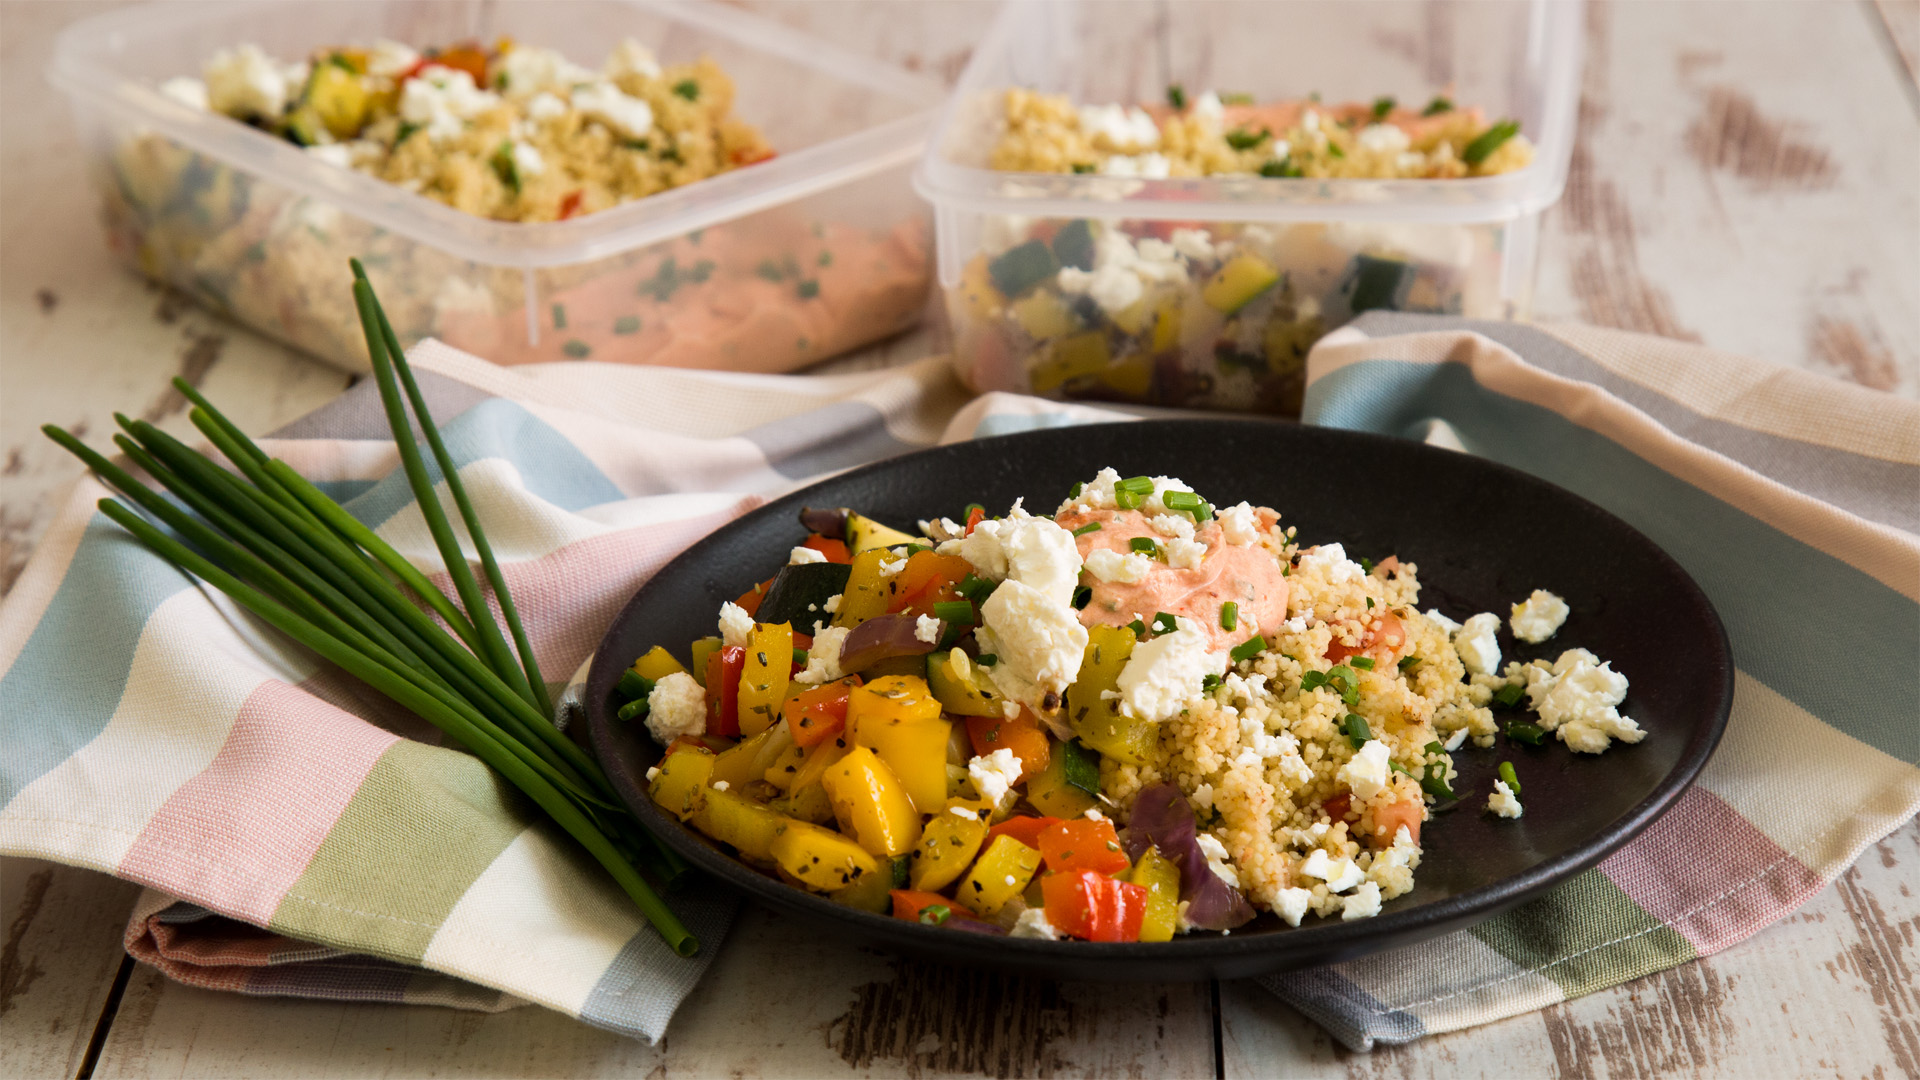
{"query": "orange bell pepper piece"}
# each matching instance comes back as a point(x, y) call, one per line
point(928, 578)
point(1083, 844)
point(1026, 828)
point(1022, 734)
point(816, 715)
point(1091, 907)
point(834, 550)
point(750, 600)
point(909, 903)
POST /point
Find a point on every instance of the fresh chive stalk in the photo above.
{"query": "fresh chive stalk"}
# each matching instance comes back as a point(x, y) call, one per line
point(1512, 778)
point(281, 548)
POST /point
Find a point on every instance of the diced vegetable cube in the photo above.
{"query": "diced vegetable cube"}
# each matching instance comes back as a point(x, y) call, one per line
point(899, 718)
point(1045, 316)
point(1026, 828)
point(702, 650)
point(1085, 844)
point(912, 904)
point(1161, 878)
point(870, 803)
point(947, 846)
point(1072, 358)
point(1022, 734)
point(866, 534)
point(1001, 874)
point(1244, 277)
point(821, 859)
point(1070, 784)
point(732, 818)
point(866, 594)
point(657, 664)
point(680, 786)
point(961, 686)
point(797, 588)
point(1021, 268)
point(767, 664)
point(819, 756)
point(1092, 715)
point(809, 803)
point(820, 713)
point(1092, 907)
point(928, 578)
point(735, 766)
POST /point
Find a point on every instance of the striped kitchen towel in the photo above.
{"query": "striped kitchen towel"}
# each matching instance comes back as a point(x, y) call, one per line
point(293, 829)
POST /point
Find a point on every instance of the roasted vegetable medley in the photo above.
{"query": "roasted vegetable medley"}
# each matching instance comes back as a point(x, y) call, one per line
point(1141, 716)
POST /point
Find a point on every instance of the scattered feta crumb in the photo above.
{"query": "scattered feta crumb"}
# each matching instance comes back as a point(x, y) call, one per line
point(1292, 904)
point(1454, 740)
point(1331, 559)
point(1366, 774)
point(1442, 621)
point(1538, 617)
point(823, 656)
point(927, 629)
point(653, 773)
point(833, 603)
point(1239, 524)
point(801, 556)
point(720, 785)
point(1185, 554)
point(1093, 814)
point(1503, 801)
point(676, 706)
point(1165, 673)
point(963, 811)
point(994, 774)
point(1363, 902)
point(1033, 923)
point(888, 569)
point(736, 626)
point(603, 101)
point(1475, 642)
point(1112, 566)
point(1217, 859)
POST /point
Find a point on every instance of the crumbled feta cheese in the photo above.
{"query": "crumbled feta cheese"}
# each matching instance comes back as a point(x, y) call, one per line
point(1123, 128)
point(1093, 814)
point(1339, 874)
point(1039, 642)
point(631, 57)
point(1503, 801)
point(1033, 923)
point(676, 706)
point(721, 785)
point(1209, 107)
point(246, 83)
point(527, 161)
point(628, 116)
point(736, 626)
point(994, 774)
point(187, 91)
point(1114, 288)
point(1217, 859)
point(1366, 773)
point(1442, 621)
point(1363, 902)
point(1475, 642)
point(823, 656)
point(1382, 139)
point(1165, 673)
point(1454, 740)
point(801, 556)
point(1172, 525)
point(1195, 244)
point(927, 629)
point(653, 773)
point(1202, 797)
point(336, 154)
point(545, 107)
point(441, 100)
point(1185, 554)
point(390, 59)
point(833, 603)
point(1332, 560)
point(889, 569)
point(1239, 524)
point(1111, 566)
point(1538, 617)
point(527, 70)
point(1292, 904)
point(965, 812)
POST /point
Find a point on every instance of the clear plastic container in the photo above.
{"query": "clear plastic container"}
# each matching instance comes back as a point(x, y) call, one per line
point(766, 268)
point(1332, 248)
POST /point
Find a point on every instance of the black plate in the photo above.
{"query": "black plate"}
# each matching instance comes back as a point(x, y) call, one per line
point(1483, 535)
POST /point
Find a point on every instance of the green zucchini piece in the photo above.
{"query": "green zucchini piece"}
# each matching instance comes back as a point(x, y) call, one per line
point(1081, 766)
point(1021, 268)
point(796, 587)
point(1073, 245)
point(1378, 284)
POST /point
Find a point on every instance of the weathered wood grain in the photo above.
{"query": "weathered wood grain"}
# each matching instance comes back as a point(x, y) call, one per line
point(58, 959)
point(1745, 175)
point(1828, 991)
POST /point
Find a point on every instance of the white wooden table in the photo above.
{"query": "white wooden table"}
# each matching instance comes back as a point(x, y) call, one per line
point(1747, 174)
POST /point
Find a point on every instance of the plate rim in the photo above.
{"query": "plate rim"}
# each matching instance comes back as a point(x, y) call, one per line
point(1322, 939)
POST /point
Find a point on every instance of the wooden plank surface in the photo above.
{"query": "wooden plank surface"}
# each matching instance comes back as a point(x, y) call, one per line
point(1745, 177)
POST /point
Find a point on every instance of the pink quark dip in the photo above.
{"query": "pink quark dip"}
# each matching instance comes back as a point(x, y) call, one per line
point(1249, 575)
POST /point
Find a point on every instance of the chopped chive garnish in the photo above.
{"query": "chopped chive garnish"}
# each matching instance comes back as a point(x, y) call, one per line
point(633, 685)
point(935, 914)
point(1248, 649)
point(971, 507)
point(1139, 485)
point(1188, 503)
point(1082, 596)
point(1242, 139)
point(800, 657)
point(1364, 663)
point(1209, 684)
point(975, 588)
point(986, 659)
point(1229, 615)
point(1077, 488)
point(1127, 500)
point(1163, 623)
point(954, 611)
point(1357, 731)
point(1512, 778)
point(1508, 696)
point(1280, 168)
point(636, 708)
point(1139, 629)
point(1366, 565)
point(1482, 147)
point(688, 89)
point(1145, 545)
point(1369, 603)
point(1176, 95)
point(559, 316)
point(1521, 731)
point(1408, 661)
point(1381, 107)
point(1089, 527)
point(1437, 106)
point(1333, 150)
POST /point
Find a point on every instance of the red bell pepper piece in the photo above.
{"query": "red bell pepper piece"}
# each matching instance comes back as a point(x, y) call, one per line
point(750, 600)
point(816, 715)
point(975, 515)
point(908, 904)
point(834, 550)
point(1026, 829)
point(1082, 844)
point(723, 690)
point(1092, 907)
point(570, 205)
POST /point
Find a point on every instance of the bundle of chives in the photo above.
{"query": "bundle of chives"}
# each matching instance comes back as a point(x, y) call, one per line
point(285, 551)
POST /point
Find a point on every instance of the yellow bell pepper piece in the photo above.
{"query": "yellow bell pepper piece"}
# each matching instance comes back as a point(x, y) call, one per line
point(1071, 358)
point(657, 665)
point(1132, 376)
point(961, 687)
point(899, 718)
point(1239, 281)
point(822, 859)
point(870, 803)
point(1167, 320)
point(947, 847)
point(1092, 715)
point(736, 764)
point(1044, 315)
point(1161, 878)
point(750, 827)
point(763, 678)
point(338, 97)
point(1050, 793)
point(701, 650)
point(786, 766)
point(808, 804)
point(1000, 875)
point(819, 756)
point(869, 892)
point(866, 593)
point(979, 297)
point(680, 786)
